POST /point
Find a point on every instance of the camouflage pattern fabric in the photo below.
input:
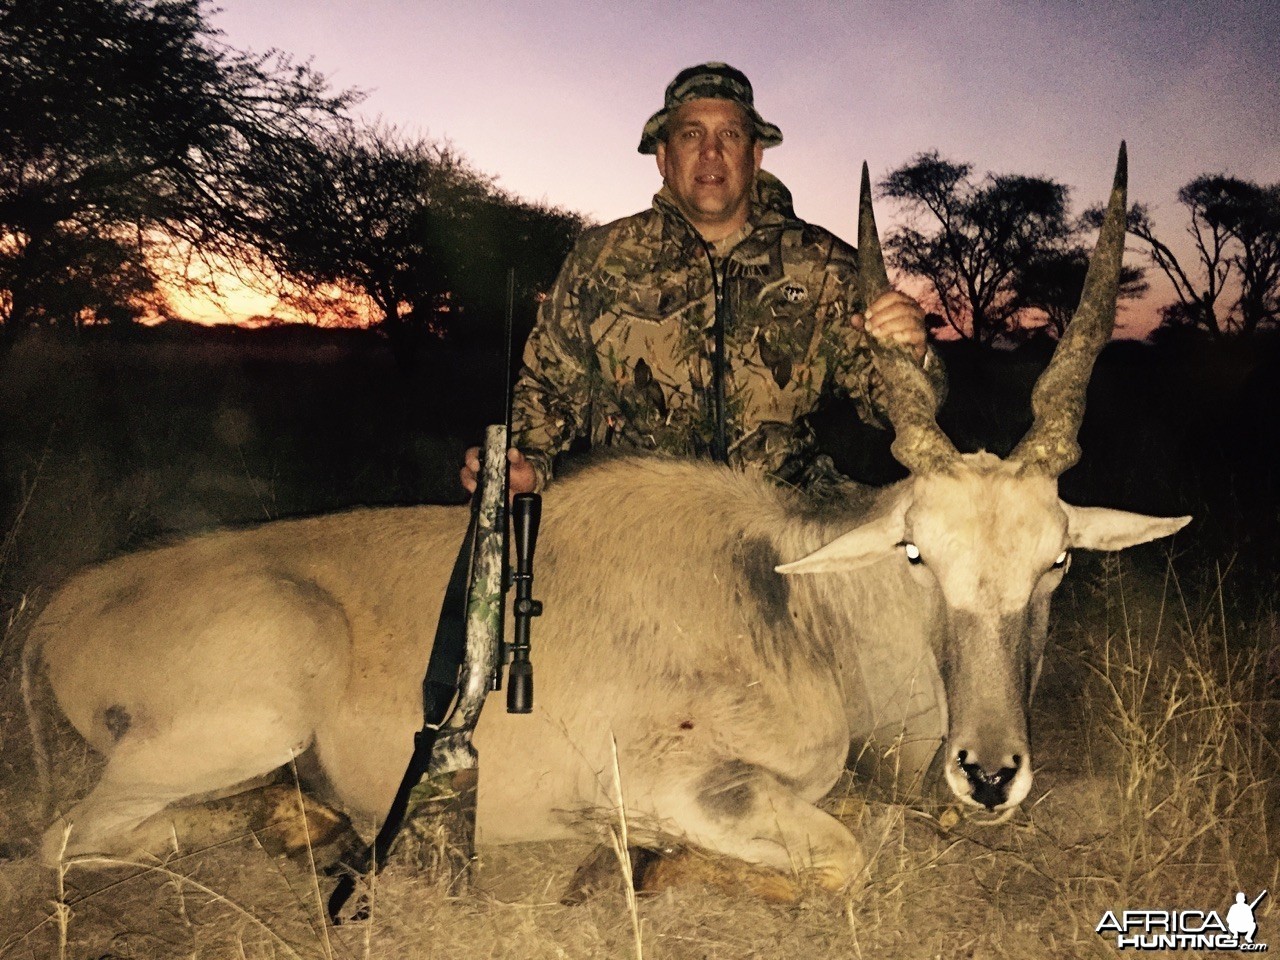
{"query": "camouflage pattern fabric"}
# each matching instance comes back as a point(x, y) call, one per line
point(715, 81)
point(622, 350)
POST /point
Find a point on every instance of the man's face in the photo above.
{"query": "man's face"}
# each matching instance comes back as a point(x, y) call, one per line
point(709, 162)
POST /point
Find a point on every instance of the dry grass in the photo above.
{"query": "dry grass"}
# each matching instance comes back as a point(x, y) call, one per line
point(1156, 730)
point(1155, 724)
point(1181, 719)
point(621, 845)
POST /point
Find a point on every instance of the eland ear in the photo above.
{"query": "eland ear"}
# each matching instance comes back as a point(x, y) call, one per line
point(860, 547)
point(1097, 528)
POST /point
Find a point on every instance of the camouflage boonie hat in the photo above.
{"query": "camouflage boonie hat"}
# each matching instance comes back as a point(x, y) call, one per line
point(708, 81)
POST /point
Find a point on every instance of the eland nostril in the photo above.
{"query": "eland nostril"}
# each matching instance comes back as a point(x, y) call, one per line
point(989, 789)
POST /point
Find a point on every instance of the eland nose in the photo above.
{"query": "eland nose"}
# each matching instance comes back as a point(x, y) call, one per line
point(990, 788)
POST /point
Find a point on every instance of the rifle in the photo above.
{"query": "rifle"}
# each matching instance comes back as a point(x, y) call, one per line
point(466, 661)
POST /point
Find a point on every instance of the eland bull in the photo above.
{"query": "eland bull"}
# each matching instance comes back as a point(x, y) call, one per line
point(732, 638)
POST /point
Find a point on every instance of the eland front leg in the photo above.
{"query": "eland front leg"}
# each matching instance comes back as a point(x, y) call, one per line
point(736, 809)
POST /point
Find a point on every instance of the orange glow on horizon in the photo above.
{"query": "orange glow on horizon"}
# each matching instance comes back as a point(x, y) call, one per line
point(226, 293)
point(221, 295)
point(233, 303)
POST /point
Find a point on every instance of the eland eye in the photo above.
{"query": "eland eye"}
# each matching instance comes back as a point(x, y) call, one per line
point(1061, 562)
point(912, 552)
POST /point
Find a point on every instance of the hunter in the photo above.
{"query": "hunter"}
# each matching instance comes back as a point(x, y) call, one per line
point(709, 325)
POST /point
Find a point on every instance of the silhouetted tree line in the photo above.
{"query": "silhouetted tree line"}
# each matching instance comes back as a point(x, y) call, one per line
point(412, 227)
point(1001, 255)
point(131, 138)
point(1004, 259)
point(1232, 285)
point(137, 146)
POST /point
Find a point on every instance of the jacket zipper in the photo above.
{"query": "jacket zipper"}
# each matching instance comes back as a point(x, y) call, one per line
point(720, 441)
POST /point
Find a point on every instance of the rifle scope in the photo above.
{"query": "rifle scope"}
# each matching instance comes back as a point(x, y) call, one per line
point(526, 514)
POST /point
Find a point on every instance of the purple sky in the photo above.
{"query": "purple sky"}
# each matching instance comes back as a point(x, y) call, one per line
point(551, 96)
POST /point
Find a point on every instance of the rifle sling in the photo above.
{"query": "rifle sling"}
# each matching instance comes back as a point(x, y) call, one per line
point(439, 687)
point(440, 684)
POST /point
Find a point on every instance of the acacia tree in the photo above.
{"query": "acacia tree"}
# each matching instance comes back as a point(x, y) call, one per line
point(1048, 287)
point(503, 233)
point(1233, 284)
point(73, 272)
point(1256, 227)
point(969, 239)
point(360, 214)
point(412, 226)
point(131, 122)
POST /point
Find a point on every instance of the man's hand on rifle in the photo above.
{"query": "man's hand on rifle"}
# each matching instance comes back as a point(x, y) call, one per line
point(520, 475)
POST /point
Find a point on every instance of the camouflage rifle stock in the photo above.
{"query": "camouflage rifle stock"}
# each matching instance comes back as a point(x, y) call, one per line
point(486, 650)
point(464, 657)
point(454, 755)
point(466, 661)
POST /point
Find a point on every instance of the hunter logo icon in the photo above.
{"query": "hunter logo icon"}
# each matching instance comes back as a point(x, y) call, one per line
point(1240, 917)
point(795, 293)
point(1186, 929)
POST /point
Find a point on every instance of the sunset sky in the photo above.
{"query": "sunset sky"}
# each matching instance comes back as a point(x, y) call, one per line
point(551, 96)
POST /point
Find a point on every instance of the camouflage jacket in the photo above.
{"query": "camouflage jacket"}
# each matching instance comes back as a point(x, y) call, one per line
point(622, 350)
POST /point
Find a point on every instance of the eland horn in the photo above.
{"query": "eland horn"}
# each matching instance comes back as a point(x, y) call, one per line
point(910, 401)
point(1057, 402)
